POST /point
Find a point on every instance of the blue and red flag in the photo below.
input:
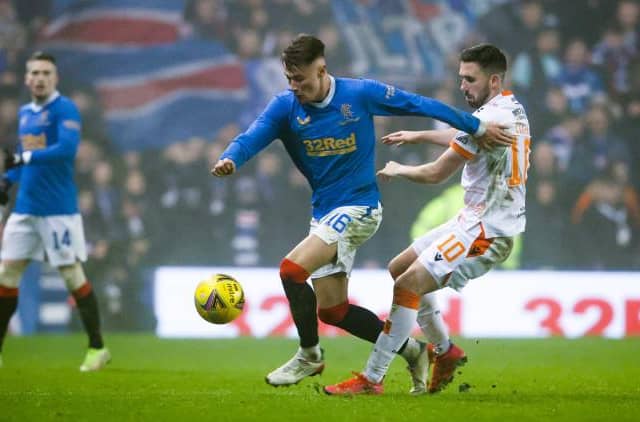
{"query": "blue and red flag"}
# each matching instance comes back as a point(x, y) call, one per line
point(155, 85)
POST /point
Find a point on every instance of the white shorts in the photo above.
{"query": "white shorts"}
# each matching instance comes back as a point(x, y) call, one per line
point(454, 255)
point(350, 227)
point(60, 237)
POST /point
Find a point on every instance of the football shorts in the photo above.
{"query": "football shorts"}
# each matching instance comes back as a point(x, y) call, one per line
point(58, 239)
point(349, 227)
point(454, 254)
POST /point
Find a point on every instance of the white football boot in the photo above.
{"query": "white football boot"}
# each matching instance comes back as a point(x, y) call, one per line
point(95, 359)
point(295, 370)
point(418, 367)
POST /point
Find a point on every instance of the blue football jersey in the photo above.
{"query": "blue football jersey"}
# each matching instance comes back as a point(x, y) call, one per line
point(333, 143)
point(52, 133)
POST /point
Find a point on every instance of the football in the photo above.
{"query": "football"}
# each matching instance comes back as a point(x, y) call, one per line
point(219, 299)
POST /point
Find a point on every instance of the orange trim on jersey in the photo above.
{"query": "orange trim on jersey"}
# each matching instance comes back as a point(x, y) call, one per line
point(457, 148)
point(406, 298)
point(446, 279)
point(82, 291)
point(8, 291)
point(507, 92)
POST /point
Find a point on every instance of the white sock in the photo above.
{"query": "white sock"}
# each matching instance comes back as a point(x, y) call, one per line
point(389, 341)
point(312, 353)
point(432, 324)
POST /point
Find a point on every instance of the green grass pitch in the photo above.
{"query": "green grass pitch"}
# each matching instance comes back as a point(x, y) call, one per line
point(223, 380)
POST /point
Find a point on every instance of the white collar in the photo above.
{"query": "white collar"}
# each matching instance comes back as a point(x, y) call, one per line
point(37, 107)
point(329, 97)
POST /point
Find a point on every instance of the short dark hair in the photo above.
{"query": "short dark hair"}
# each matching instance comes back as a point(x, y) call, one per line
point(489, 57)
point(302, 51)
point(41, 55)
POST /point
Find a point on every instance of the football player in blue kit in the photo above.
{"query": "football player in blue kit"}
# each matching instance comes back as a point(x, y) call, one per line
point(326, 126)
point(45, 223)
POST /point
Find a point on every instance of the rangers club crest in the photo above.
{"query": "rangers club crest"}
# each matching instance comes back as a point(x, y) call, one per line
point(348, 115)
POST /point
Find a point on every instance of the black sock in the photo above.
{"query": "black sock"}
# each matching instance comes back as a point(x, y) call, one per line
point(365, 324)
point(361, 323)
point(302, 302)
point(88, 309)
point(8, 306)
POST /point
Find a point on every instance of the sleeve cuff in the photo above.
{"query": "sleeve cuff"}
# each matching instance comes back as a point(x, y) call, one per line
point(26, 156)
point(457, 148)
point(482, 129)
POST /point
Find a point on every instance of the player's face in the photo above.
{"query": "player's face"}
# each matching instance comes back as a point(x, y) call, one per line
point(474, 84)
point(308, 82)
point(41, 78)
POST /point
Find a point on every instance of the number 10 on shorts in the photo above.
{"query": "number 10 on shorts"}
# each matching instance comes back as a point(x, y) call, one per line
point(451, 248)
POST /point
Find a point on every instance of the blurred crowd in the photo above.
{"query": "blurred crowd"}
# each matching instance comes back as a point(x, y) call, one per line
point(575, 65)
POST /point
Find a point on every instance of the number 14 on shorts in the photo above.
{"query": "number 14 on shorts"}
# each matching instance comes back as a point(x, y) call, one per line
point(61, 239)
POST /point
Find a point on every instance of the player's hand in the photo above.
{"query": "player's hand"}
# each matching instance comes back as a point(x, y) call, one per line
point(224, 167)
point(391, 169)
point(401, 137)
point(496, 135)
point(11, 159)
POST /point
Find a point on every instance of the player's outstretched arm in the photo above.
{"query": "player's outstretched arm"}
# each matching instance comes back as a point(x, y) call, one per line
point(438, 137)
point(386, 100)
point(431, 173)
point(224, 167)
point(267, 127)
point(495, 135)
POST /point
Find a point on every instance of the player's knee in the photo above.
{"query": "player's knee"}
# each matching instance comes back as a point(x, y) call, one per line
point(407, 280)
point(74, 277)
point(290, 272)
point(335, 314)
point(11, 274)
point(394, 269)
point(401, 263)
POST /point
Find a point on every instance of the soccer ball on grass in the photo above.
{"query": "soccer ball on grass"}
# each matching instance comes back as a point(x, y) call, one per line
point(219, 299)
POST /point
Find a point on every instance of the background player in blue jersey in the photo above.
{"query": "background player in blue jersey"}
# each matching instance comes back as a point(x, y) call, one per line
point(45, 222)
point(326, 126)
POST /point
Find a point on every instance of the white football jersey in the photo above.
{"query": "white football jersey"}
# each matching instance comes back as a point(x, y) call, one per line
point(494, 181)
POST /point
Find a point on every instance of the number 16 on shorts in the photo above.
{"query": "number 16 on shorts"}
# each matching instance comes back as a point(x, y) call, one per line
point(338, 222)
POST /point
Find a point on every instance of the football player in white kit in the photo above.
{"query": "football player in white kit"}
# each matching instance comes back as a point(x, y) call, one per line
point(45, 222)
point(470, 244)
